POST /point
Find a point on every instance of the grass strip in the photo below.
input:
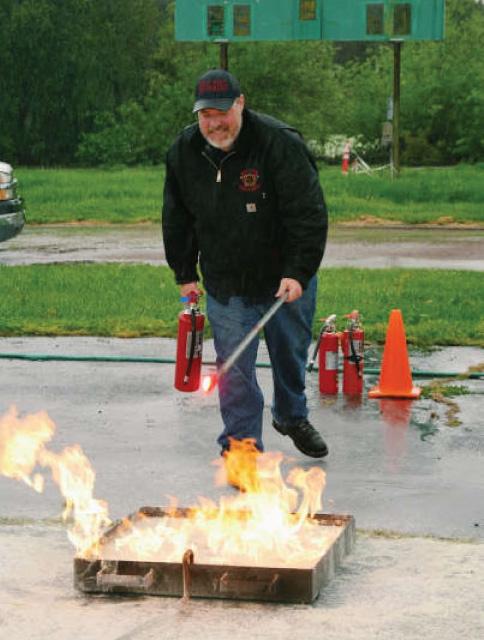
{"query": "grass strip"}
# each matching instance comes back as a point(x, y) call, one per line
point(122, 195)
point(91, 195)
point(439, 307)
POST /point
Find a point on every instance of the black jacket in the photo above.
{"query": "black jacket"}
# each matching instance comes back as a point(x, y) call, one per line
point(251, 218)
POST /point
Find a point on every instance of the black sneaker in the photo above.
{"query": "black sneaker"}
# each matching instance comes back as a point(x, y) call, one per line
point(305, 437)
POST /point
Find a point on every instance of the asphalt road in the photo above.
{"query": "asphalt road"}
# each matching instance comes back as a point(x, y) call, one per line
point(438, 248)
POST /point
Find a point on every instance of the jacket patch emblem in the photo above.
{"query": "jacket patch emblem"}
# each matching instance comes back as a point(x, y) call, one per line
point(249, 180)
point(251, 207)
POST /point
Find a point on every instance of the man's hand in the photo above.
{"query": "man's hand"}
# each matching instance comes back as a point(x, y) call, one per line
point(293, 287)
point(186, 289)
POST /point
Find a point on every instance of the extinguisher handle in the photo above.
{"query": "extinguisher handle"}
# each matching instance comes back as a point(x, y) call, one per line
point(354, 318)
point(192, 297)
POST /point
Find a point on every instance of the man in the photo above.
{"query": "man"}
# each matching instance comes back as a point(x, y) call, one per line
point(242, 199)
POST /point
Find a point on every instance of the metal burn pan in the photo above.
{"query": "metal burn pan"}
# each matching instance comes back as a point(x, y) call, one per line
point(106, 571)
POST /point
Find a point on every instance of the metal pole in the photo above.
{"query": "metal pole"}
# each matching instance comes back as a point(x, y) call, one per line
point(397, 46)
point(251, 335)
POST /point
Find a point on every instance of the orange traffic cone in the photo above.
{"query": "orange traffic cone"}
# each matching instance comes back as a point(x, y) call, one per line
point(395, 376)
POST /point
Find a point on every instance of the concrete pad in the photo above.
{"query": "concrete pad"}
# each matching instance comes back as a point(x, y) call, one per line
point(408, 588)
point(408, 479)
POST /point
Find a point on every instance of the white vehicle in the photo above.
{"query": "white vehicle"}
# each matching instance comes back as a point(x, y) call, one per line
point(12, 212)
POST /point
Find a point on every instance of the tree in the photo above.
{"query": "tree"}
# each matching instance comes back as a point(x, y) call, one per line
point(104, 81)
point(64, 61)
point(443, 91)
point(291, 81)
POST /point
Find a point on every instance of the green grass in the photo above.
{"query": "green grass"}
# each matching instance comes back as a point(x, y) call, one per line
point(439, 307)
point(105, 300)
point(91, 195)
point(418, 196)
point(136, 195)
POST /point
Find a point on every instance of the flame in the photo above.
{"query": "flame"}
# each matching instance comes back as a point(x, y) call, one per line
point(209, 382)
point(22, 445)
point(23, 448)
point(269, 522)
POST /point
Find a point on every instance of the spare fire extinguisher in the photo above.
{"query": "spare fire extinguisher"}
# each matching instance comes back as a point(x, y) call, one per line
point(189, 345)
point(328, 345)
point(353, 345)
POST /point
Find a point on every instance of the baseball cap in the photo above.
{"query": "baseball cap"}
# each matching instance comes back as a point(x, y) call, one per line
point(216, 89)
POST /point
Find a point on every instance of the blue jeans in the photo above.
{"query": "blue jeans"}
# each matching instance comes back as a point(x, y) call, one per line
point(288, 337)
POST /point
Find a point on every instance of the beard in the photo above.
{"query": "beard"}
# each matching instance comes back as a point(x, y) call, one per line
point(221, 131)
point(223, 135)
point(220, 139)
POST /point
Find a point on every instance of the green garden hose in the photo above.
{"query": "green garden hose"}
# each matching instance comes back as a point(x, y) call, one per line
point(263, 365)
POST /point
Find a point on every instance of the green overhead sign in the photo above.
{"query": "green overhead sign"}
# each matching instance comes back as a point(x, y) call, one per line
point(353, 20)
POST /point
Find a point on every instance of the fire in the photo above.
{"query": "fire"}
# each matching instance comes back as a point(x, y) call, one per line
point(209, 382)
point(22, 445)
point(269, 522)
point(23, 449)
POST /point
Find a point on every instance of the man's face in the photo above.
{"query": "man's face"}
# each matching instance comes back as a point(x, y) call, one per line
point(221, 128)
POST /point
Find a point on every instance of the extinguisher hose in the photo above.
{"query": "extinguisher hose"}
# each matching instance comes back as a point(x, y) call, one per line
point(192, 347)
point(354, 357)
point(327, 326)
point(316, 349)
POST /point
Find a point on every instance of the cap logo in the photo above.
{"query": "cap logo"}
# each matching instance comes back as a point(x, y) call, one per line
point(216, 89)
point(212, 86)
point(249, 180)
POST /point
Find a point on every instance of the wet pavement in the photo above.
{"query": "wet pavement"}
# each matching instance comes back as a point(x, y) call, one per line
point(440, 248)
point(414, 485)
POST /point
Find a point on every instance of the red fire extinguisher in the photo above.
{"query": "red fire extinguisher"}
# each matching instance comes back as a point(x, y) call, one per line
point(352, 345)
point(346, 158)
point(327, 345)
point(189, 345)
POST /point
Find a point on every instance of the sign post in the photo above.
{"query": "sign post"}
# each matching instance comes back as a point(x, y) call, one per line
point(397, 49)
point(224, 54)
